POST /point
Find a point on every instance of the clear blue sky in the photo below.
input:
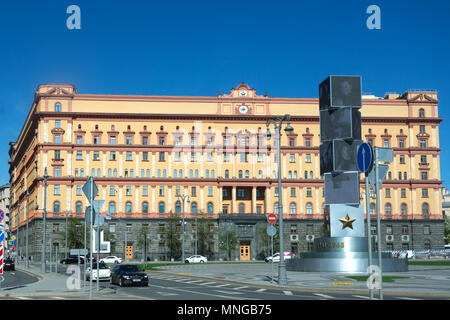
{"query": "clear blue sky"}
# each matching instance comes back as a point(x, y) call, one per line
point(199, 47)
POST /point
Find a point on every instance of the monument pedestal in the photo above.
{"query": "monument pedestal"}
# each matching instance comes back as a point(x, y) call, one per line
point(343, 254)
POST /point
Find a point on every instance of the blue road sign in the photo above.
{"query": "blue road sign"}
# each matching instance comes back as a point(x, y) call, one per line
point(2, 215)
point(2, 235)
point(364, 157)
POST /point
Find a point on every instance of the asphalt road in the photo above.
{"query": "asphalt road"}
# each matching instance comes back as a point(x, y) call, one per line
point(15, 279)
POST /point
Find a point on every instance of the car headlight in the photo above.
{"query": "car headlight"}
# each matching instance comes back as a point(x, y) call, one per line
point(145, 277)
point(127, 277)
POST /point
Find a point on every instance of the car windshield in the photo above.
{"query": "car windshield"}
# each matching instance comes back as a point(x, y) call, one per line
point(101, 266)
point(130, 268)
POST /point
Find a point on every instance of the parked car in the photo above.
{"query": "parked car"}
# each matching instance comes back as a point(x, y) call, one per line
point(111, 259)
point(276, 257)
point(72, 260)
point(104, 272)
point(196, 259)
point(9, 265)
point(128, 274)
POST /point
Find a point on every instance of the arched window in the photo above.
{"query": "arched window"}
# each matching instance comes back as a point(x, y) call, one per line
point(310, 174)
point(292, 208)
point(58, 107)
point(247, 174)
point(403, 209)
point(425, 209)
point(191, 173)
point(213, 173)
point(227, 174)
point(421, 113)
point(194, 207)
point(290, 174)
point(161, 207)
point(112, 207)
point(275, 208)
point(240, 174)
point(145, 207)
point(309, 208)
point(128, 207)
point(260, 174)
point(372, 209)
point(241, 208)
point(210, 207)
point(387, 209)
point(56, 207)
point(178, 206)
point(78, 207)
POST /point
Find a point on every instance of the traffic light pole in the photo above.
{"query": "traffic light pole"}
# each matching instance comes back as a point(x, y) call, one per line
point(91, 201)
point(369, 228)
point(377, 169)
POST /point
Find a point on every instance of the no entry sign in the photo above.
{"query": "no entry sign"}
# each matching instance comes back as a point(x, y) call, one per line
point(272, 218)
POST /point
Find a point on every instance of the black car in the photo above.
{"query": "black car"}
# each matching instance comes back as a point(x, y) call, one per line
point(8, 265)
point(74, 260)
point(128, 274)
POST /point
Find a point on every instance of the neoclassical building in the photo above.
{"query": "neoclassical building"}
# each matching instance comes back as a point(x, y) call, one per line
point(143, 151)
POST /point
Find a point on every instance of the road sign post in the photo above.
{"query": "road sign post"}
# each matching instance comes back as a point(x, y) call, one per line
point(271, 231)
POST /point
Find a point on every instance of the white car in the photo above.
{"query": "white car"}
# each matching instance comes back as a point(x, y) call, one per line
point(196, 259)
point(276, 257)
point(111, 259)
point(104, 272)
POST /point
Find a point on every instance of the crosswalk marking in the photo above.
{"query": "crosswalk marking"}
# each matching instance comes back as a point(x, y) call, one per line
point(24, 298)
point(223, 285)
point(289, 293)
point(324, 295)
point(261, 290)
point(363, 297)
point(207, 283)
point(58, 298)
point(243, 287)
point(195, 281)
point(407, 298)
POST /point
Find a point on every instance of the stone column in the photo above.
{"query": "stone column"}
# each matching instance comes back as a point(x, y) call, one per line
point(254, 200)
point(233, 199)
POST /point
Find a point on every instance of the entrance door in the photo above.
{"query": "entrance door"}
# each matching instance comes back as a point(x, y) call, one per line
point(129, 252)
point(244, 252)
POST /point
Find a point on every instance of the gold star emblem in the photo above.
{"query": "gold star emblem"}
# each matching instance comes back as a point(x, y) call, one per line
point(347, 222)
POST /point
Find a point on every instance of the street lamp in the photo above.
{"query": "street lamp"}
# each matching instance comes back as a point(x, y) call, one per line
point(183, 198)
point(44, 222)
point(67, 218)
point(282, 277)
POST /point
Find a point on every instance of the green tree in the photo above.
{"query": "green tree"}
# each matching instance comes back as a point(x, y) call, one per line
point(111, 237)
point(447, 230)
point(265, 241)
point(205, 234)
point(228, 242)
point(143, 239)
point(75, 234)
point(173, 232)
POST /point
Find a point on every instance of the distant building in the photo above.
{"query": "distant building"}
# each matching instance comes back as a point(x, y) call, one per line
point(143, 151)
point(5, 207)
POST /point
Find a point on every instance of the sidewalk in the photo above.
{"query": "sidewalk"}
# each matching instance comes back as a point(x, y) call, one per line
point(50, 283)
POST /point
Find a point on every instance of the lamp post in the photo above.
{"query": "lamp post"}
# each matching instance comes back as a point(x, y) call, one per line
point(282, 277)
point(67, 218)
point(26, 236)
point(44, 222)
point(183, 198)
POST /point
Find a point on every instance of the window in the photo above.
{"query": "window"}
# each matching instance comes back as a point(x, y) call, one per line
point(129, 156)
point(426, 230)
point(57, 172)
point(403, 209)
point(112, 155)
point(56, 207)
point(162, 156)
point(210, 191)
point(112, 140)
point(241, 193)
point(389, 229)
point(82, 172)
point(307, 142)
point(57, 138)
point(388, 209)
point(421, 113)
point(210, 207)
point(424, 192)
point(79, 155)
point(372, 209)
point(161, 191)
point(161, 141)
point(247, 174)
point(78, 192)
point(193, 192)
point(227, 174)
point(112, 227)
point(78, 207)
point(145, 190)
point(58, 107)
point(145, 141)
point(128, 190)
point(193, 156)
point(145, 207)
point(128, 140)
point(275, 208)
point(422, 143)
point(403, 193)
point(308, 192)
point(401, 143)
point(424, 175)
point(96, 139)
point(388, 192)
point(422, 129)
point(177, 207)
point(292, 208)
point(308, 158)
point(56, 190)
point(402, 159)
point(404, 176)
point(79, 139)
point(292, 157)
point(128, 207)
point(243, 156)
point(96, 156)
point(292, 192)
point(111, 191)
point(386, 143)
point(425, 209)
point(423, 159)
point(194, 207)
point(241, 208)
point(309, 208)
point(405, 229)
point(240, 175)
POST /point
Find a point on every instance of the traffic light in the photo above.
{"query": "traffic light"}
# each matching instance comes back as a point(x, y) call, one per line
point(340, 91)
point(343, 123)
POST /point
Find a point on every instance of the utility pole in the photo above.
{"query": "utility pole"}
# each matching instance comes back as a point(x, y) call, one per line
point(44, 222)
